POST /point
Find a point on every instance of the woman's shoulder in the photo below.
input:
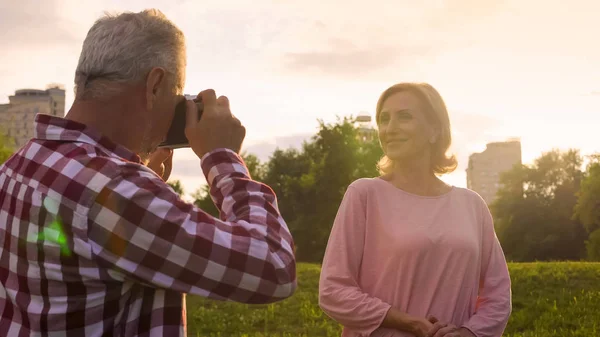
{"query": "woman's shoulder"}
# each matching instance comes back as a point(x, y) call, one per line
point(361, 189)
point(470, 197)
point(363, 185)
point(366, 186)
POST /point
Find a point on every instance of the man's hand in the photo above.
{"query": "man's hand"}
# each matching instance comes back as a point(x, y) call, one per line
point(218, 128)
point(161, 162)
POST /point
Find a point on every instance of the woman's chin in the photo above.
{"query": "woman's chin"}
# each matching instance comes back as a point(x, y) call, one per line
point(398, 155)
point(405, 156)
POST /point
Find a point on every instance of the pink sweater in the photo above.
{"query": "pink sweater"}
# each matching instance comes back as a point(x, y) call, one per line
point(421, 255)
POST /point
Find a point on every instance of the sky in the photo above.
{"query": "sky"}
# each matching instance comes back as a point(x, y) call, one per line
point(514, 68)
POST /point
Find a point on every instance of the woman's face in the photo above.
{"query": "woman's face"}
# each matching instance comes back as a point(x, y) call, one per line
point(404, 131)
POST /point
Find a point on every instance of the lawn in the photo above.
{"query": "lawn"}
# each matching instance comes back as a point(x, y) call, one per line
point(549, 300)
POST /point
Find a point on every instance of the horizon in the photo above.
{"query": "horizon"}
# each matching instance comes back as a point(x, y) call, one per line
point(504, 68)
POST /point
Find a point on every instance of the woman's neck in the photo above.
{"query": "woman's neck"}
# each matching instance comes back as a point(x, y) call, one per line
point(417, 178)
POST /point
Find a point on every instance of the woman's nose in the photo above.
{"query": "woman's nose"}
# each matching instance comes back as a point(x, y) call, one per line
point(393, 125)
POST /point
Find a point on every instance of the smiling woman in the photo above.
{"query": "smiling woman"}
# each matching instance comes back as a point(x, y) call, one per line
point(409, 255)
point(419, 115)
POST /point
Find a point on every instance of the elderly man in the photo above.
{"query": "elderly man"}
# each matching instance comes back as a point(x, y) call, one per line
point(93, 242)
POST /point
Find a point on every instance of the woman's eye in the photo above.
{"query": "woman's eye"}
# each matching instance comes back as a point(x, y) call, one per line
point(404, 116)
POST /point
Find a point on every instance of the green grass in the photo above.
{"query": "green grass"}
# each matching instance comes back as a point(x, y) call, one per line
point(549, 300)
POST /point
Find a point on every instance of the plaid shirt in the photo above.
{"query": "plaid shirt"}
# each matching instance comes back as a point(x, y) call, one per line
point(93, 243)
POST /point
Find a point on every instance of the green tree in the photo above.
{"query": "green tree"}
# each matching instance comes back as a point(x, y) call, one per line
point(587, 209)
point(334, 163)
point(6, 147)
point(592, 246)
point(287, 173)
point(310, 182)
point(255, 167)
point(534, 209)
point(177, 187)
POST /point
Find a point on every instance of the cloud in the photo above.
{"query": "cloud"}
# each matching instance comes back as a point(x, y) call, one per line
point(35, 24)
point(263, 150)
point(346, 59)
point(384, 37)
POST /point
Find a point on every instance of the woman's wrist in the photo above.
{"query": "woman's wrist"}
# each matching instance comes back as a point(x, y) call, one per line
point(464, 332)
point(398, 320)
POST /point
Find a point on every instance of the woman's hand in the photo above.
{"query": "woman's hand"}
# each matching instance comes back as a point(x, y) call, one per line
point(420, 327)
point(465, 333)
point(443, 330)
point(401, 321)
point(447, 330)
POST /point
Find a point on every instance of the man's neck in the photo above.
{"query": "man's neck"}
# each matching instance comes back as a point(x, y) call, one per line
point(114, 119)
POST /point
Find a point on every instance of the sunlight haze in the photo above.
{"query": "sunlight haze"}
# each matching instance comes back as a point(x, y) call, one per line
point(525, 69)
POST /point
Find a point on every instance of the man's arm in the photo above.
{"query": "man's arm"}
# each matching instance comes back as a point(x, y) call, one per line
point(140, 227)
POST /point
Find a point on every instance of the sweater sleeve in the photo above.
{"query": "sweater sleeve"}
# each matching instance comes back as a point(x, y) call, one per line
point(340, 295)
point(494, 302)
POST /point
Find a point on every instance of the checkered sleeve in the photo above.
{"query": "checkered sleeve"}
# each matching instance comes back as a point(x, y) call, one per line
point(139, 227)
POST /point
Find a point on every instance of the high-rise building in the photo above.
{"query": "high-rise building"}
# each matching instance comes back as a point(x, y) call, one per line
point(366, 132)
point(17, 117)
point(483, 173)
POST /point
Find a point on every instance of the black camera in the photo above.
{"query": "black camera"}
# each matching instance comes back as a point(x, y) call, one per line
point(176, 135)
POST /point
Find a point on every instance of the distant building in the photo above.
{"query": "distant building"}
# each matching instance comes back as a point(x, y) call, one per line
point(483, 173)
point(17, 117)
point(366, 131)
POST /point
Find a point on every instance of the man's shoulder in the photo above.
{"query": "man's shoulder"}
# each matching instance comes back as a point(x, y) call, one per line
point(57, 166)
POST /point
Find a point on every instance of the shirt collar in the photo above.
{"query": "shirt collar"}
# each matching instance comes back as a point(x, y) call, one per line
point(61, 129)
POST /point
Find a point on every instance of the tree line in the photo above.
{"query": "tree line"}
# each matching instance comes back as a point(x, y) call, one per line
point(311, 181)
point(545, 211)
point(548, 210)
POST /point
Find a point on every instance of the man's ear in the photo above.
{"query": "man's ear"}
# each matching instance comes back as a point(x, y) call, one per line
point(154, 84)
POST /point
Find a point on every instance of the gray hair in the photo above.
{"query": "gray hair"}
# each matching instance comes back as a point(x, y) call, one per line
point(121, 49)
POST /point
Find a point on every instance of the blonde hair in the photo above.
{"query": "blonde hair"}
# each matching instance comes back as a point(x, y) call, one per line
point(436, 113)
point(122, 48)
